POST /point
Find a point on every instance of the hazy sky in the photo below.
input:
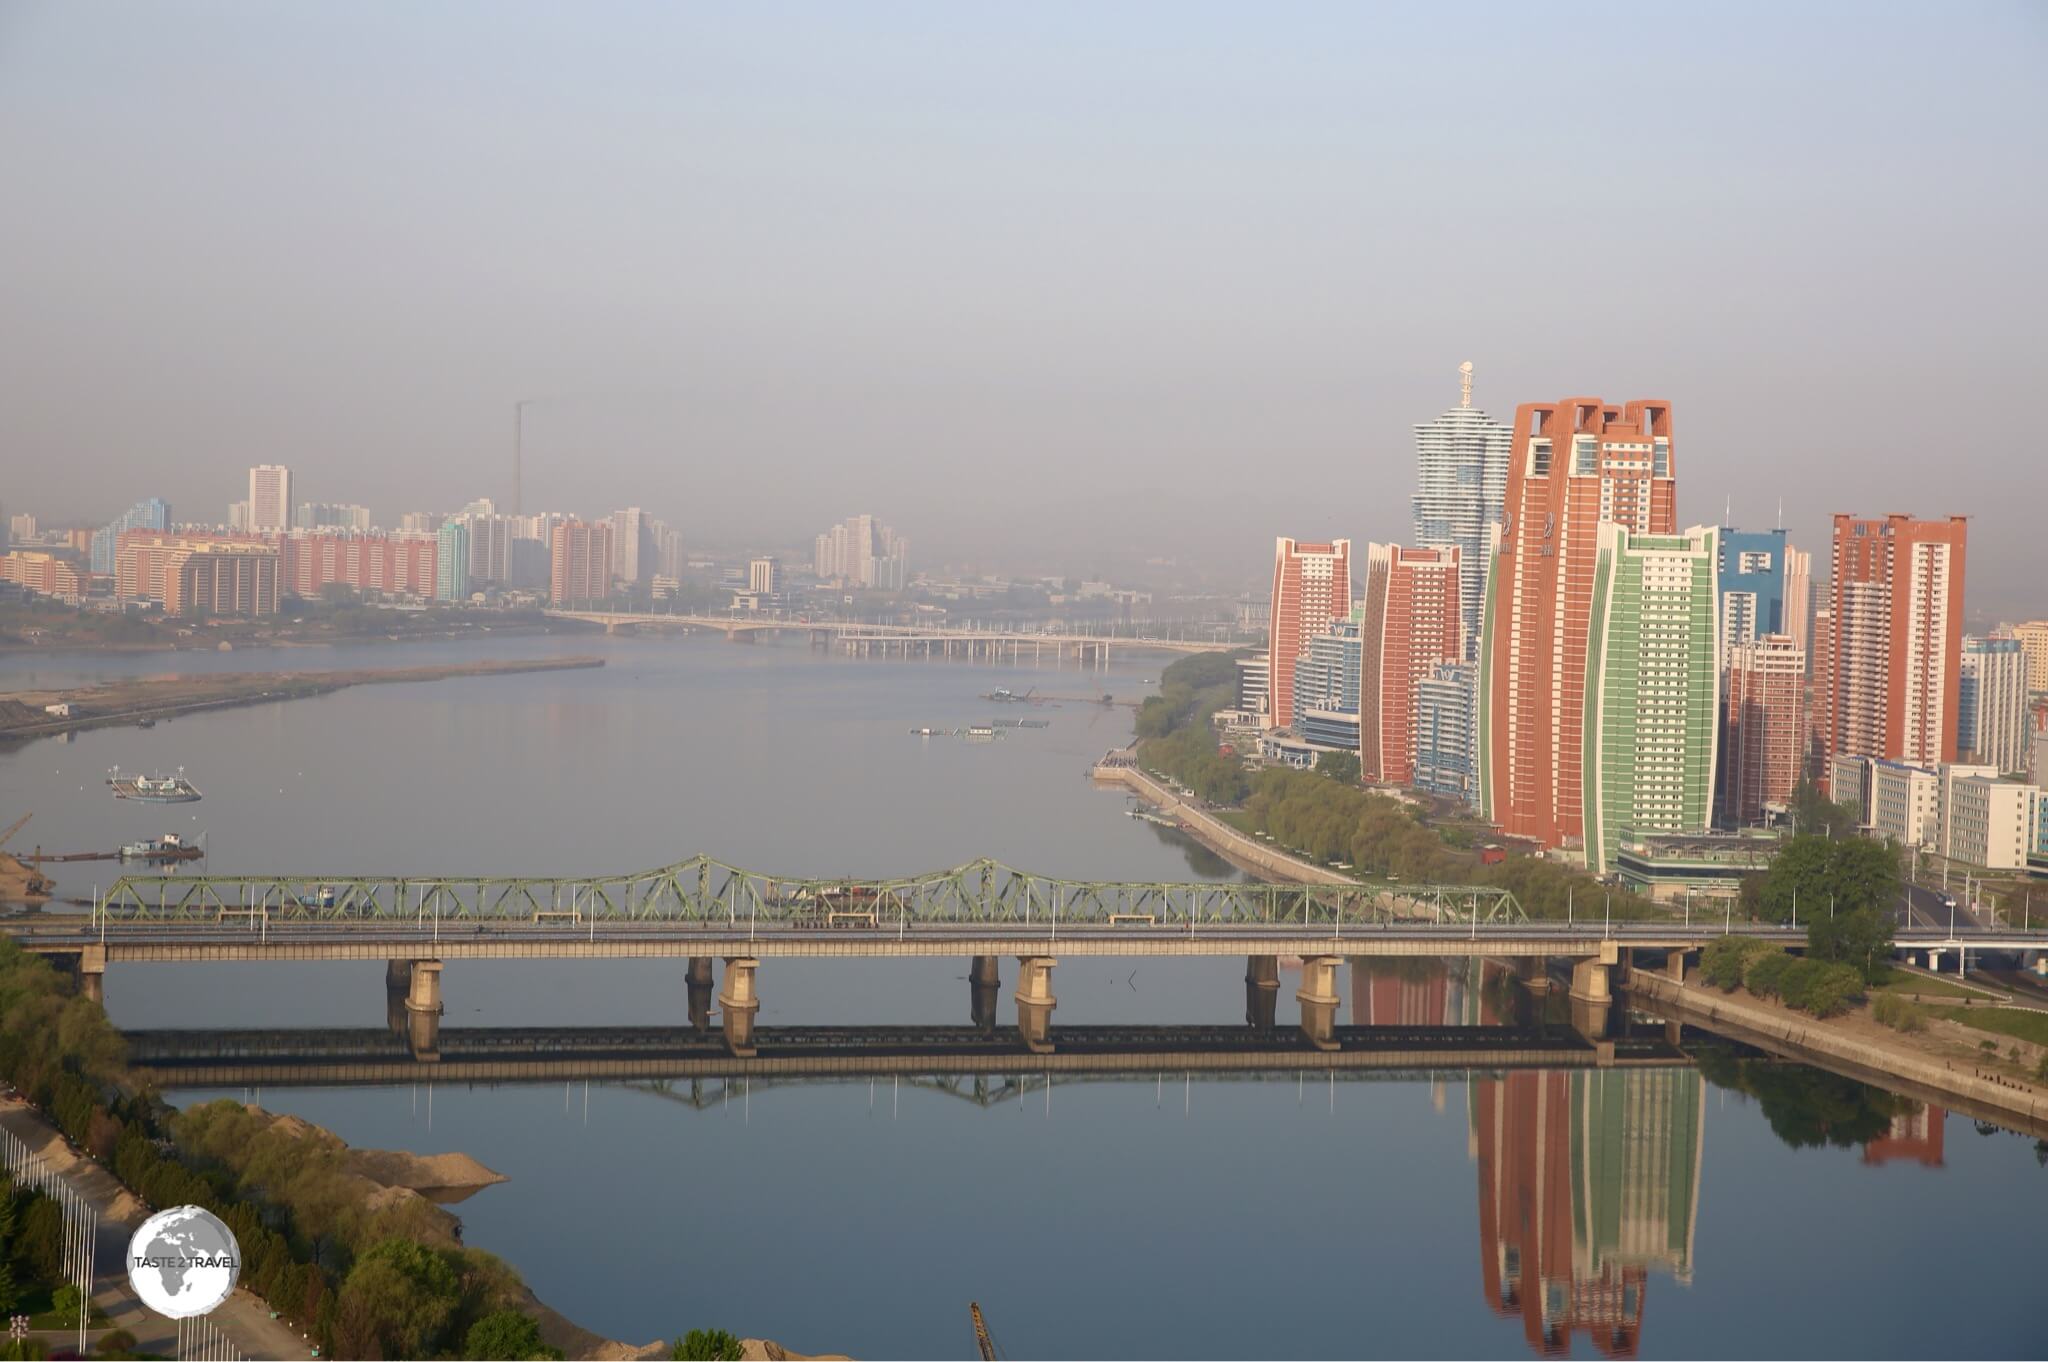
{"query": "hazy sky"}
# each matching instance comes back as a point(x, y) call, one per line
point(1044, 285)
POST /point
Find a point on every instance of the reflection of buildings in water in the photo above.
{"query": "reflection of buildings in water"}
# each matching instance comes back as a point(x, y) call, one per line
point(1587, 1181)
point(1915, 1136)
point(1398, 991)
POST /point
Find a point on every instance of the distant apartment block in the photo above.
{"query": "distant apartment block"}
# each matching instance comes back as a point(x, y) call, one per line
point(151, 514)
point(451, 562)
point(1763, 731)
point(1753, 586)
point(1991, 709)
point(764, 576)
point(1446, 763)
point(1253, 687)
point(1653, 717)
point(1897, 634)
point(581, 562)
point(43, 573)
point(1990, 822)
point(194, 574)
point(2033, 637)
point(270, 498)
point(860, 551)
point(395, 564)
point(1326, 688)
point(1411, 621)
point(324, 515)
point(1311, 591)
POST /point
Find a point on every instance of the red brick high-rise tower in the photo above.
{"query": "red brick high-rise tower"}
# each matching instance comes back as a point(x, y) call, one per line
point(1895, 639)
point(1311, 591)
point(1571, 466)
point(1414, 619)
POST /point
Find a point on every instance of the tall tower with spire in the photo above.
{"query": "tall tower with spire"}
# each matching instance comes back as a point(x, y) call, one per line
point(1461, 477)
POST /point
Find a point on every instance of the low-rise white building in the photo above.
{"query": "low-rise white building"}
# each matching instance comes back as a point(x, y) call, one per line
point(1905, 803)
point(1989, 822)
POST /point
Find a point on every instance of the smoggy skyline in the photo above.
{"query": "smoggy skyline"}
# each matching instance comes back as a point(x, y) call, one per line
point(1061, 288)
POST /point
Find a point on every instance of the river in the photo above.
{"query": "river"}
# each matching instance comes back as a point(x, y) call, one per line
point(1656, 1211)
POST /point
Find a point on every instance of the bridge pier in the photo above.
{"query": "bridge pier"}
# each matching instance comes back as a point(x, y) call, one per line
point(698, 980)
point(737, 1004)
point(1318, 998)
point(423, 1009)
point(1590, 982)
point(1261, 990)
point(1534, 973)
point(1035, 1002)
point(984, 986)
point(92, 973)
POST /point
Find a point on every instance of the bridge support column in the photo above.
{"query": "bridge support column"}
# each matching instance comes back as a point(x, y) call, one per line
point(1261, 990)
point(738, 1002)
point(984, 986)
point(1318, 998)
point(92, 973)
point(1035, 1002)
point(1590, 976)
point(698, 980)
point(423, 1010)
point(1674, 965)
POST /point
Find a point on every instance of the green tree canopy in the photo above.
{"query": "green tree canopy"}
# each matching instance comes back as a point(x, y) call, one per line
point(397, 1301)
point(706, 1345)
point(506, 1336)
point(1852, 873)
point(1341, 767)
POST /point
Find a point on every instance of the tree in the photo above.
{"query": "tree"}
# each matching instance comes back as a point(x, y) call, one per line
point(396, 1302)
point(1861, 938)
point(1816, 873)
point(1813, 812)
point(706, 1345)
point(1341, 767)
point(506, 1336)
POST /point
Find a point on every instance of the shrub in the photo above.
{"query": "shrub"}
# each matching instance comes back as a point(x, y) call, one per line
point(706, 1345)
point(1772, 976)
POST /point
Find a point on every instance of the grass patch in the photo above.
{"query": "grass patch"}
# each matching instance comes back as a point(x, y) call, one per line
point(1931, 988)
point(2003, 1021)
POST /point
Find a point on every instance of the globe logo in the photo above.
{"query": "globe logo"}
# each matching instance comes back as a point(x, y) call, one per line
point(184, 1262)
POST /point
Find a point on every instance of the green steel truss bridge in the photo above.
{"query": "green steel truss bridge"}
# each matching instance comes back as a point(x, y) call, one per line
point(705, 891)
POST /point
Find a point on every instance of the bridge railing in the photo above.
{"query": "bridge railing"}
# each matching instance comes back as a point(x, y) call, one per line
point(703, 890)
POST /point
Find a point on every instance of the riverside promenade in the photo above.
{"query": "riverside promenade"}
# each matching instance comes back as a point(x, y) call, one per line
point(244, 1319)
point(1262, 858)
point(1855, 1046)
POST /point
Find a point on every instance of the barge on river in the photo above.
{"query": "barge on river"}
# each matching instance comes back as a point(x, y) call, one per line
point(153, 789)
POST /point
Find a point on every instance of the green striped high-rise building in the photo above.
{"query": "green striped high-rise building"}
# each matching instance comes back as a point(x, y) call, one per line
point(1653, 667)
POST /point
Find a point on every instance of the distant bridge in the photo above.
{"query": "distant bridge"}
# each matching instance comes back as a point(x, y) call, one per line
point(905, 640)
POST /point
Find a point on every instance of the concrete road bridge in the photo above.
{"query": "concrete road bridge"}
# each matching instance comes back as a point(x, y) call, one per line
point(702, 910)
point(906, 640)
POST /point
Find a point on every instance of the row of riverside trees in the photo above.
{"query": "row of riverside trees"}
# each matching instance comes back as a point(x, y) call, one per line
point(1174, 733)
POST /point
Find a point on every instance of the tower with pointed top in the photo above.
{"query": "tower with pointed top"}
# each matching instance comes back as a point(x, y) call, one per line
point(1461, 475)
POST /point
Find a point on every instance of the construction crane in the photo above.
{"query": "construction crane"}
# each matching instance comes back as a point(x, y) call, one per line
point(14, 827)
point(982, 1341)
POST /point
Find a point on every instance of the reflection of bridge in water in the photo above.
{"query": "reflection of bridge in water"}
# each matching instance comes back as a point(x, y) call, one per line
point(902, 640)
point(304, 1057)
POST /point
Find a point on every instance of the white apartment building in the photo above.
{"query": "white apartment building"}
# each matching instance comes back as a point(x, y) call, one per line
point(1990, 822)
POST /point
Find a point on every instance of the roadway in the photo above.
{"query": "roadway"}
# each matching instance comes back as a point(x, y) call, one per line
point(257, 938)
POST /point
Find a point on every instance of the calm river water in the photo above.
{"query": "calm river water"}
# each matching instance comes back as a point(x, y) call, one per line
point(1768, 1211)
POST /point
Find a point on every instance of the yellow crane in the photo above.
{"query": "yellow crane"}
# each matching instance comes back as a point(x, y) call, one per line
point(981, 1338)
point(14, 827)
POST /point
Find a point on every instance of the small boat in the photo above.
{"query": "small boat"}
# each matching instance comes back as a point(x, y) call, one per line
point(169, 847)
point(153, 789)
point(928, 733)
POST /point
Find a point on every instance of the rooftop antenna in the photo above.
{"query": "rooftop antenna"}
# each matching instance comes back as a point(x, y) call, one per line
point(1728, 512)
point(1781, 513)
point(1465, 384)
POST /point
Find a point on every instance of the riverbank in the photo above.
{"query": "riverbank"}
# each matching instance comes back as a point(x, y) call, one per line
point(1246, 853)
point(24, 714)
point(1931, 1066)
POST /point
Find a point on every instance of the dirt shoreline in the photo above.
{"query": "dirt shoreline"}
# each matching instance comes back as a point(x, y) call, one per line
point(128, 701)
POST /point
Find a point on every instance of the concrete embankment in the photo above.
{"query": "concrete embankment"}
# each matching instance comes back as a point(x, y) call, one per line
point(1858, 1047)
point(1212, 832)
